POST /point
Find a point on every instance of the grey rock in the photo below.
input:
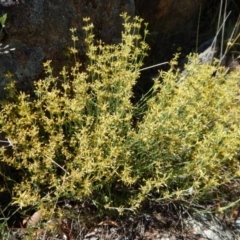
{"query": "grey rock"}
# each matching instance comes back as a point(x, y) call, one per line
point(210, 228)
point(8, 3)
point(208, 55)
point(205, 45)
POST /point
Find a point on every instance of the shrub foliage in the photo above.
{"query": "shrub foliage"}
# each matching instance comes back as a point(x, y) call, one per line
point(76, 136)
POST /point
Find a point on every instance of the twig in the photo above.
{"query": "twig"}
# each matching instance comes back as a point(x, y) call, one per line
point(153, 66)
point(57, 164)
point(8, 141)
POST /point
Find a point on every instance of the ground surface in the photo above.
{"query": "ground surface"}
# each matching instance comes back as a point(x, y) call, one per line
point(165, 221)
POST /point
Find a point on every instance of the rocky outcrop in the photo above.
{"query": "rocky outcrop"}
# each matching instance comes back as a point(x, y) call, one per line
point(169, 15)
point(173, 25)
point(39, 30)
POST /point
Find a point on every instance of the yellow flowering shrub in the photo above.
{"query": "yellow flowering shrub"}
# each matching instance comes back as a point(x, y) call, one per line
point(76, 136)
point(190, 134)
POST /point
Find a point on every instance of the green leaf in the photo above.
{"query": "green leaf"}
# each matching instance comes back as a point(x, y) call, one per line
point(3, 20)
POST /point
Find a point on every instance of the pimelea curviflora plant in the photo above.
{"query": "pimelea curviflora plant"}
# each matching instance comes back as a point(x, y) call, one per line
point(190, 133)
point(76, 137)
point(72, 137)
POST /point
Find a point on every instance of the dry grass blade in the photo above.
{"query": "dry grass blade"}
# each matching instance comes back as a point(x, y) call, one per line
point(109, 223)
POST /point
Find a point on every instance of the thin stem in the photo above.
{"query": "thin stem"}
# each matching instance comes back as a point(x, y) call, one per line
point(153, 66)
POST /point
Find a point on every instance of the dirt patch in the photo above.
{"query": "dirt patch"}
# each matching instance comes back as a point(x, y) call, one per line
point(165, 221)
